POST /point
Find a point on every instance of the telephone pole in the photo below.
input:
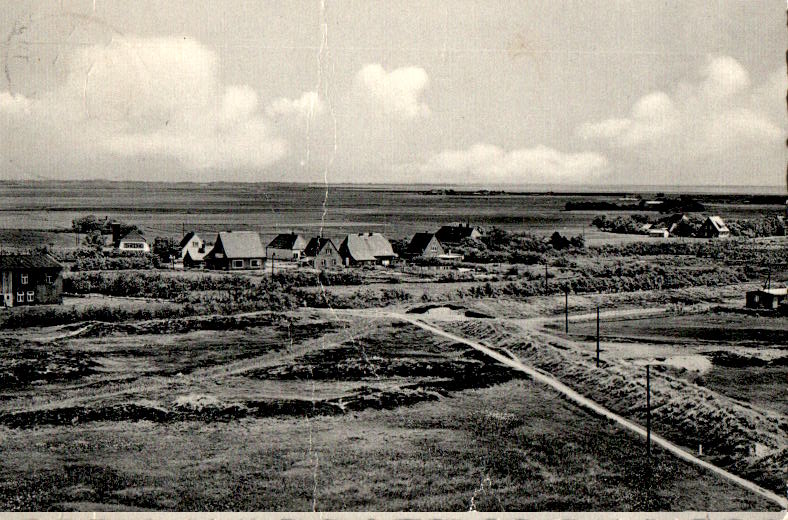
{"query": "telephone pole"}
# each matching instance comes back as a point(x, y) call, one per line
point(648, 411)
point(597, 336)
point(566, 310)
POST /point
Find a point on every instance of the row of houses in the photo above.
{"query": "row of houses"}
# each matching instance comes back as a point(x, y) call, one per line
point(678, 224)
point(233, 250)
point(244, 250)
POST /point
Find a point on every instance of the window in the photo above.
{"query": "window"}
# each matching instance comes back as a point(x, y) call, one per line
point(132, 245)
point(20, 297)
point(254, 263)
point(30, 296)
point(23, 279)
point(238, 264)
point(195, 243)
point(49, 278)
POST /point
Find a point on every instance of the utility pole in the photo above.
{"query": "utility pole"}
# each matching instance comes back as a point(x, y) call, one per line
point(597, 336)
point(566, 310)
point(648, 410)
point(545, 278)
point(273, 255)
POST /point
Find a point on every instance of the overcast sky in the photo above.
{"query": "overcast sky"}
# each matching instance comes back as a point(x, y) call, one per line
point(486, 91)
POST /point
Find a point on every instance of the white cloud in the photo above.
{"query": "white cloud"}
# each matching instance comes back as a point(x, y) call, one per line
point(144, 97)
point(714, 113)
point(489, 163)
point(308, 105)
point(397, 93)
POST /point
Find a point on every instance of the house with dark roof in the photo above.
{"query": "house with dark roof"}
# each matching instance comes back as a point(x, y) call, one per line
point(321, 253)
point(30, 279)
point(192, 250)
point(425, 245)
point(134, 241)
point(770, 298)
point(454, 234)
point(714, 227)
point(236, 250)
point(366, 249)
point(286, 246)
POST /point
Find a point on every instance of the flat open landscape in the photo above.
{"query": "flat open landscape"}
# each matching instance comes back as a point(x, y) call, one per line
point(390, 388)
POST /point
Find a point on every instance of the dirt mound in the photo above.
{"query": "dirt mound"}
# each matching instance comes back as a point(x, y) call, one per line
point(29, 366)
point(447, 311)
point(178, 325)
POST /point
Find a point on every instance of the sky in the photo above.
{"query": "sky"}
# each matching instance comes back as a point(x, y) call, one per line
point(490, 92)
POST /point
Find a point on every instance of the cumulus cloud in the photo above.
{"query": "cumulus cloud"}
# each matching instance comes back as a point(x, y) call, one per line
point(308, 105)
point(145, 97)
point(717, 111)
point(489, 163)
point(396, 94)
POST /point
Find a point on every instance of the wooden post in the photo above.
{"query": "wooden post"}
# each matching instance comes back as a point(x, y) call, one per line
point(597, 336)
point(566, 310)
point(545, 278)
point(273, 255)
point(648, 410)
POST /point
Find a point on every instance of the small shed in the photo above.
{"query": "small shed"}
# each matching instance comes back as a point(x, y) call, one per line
point(658, 233)
point(766, 298)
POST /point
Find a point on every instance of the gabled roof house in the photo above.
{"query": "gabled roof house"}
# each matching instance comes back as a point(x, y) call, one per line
point(30, 279)
point(714, 226)
point(192, 250)
point(453, 234)
point(366, 249)
point(322, 253)
point(236, 250)
point(133, 241)
point(424, 245)
point(286, 246)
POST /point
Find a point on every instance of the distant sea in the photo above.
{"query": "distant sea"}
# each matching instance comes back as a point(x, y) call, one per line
point(644, 189)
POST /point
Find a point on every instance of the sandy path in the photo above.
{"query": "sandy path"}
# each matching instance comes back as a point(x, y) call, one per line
point(583, 401)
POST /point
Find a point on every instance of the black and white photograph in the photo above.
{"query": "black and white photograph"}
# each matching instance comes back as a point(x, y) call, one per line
point(401, 257)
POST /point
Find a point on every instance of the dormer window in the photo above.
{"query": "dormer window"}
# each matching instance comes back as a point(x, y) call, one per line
point(23, 279)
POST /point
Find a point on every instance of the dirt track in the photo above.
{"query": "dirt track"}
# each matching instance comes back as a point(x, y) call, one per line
point(596, 408)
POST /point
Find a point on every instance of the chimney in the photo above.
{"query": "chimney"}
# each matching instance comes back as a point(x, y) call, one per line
point(115, 226)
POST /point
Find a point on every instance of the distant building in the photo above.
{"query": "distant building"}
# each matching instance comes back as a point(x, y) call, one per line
point(236, 250)
point(322, 254)
point(677, 224)
point(366, 249)
point(658, 233)
point(454, 234)
point(714, 227)
point(30, 279)
point(286, 246)
point(767, 298)
point(192, 250)
point(425, 245)
point(133, 241)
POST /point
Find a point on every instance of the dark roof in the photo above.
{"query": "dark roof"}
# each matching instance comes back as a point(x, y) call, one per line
point(134, 234)
point(454, 234)
point(316, 244)
point(28, 261)
point(284, 241)
point(239, 244)
point(186, 239)
point(419, 243)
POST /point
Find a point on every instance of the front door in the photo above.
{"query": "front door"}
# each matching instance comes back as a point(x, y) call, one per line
point(8, 291)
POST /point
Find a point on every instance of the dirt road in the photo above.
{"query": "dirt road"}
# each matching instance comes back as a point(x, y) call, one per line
point(583, 401)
